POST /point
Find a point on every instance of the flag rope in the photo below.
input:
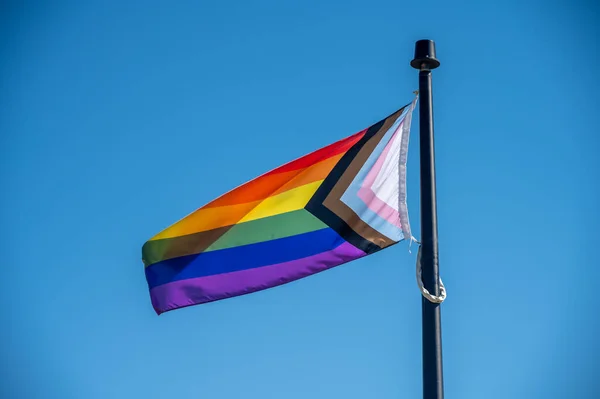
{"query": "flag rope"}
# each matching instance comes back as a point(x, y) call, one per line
point(424, 291)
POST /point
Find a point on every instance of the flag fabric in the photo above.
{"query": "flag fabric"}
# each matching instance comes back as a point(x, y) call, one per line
point(337, 204)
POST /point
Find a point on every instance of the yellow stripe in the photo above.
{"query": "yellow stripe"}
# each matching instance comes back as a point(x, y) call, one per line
point(288, 201)
point(205, 219)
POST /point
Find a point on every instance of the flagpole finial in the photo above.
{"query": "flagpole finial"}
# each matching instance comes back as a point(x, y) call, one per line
point(425, 55)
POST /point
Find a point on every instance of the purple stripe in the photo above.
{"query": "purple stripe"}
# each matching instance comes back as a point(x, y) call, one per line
point(199, 290)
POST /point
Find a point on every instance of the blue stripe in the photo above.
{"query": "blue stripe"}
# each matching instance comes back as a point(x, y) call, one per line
point(243, 257)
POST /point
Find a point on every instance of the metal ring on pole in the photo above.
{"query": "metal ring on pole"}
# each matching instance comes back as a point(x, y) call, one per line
point(424, 291)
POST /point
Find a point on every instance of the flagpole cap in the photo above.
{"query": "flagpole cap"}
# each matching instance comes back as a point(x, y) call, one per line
point(425, 55)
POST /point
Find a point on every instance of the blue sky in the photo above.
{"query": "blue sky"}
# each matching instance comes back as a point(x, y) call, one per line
point(118, 118)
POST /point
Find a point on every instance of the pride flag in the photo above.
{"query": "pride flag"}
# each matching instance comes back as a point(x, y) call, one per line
point(332, 206)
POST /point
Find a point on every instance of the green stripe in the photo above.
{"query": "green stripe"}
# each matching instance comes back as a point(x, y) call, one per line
point(266, 229)
point(259, 230)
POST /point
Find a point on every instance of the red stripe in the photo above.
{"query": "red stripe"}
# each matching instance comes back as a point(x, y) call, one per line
point(321, 154)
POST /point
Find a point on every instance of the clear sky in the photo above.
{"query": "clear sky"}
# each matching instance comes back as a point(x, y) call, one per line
point(118, 118)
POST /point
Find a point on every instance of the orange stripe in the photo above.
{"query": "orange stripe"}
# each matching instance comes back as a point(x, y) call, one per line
point(318, 171)
point(226, 212)
point(207, 219)
point(268, 185)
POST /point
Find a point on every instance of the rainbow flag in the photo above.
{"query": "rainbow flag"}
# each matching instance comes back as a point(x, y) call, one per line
point(332, 206)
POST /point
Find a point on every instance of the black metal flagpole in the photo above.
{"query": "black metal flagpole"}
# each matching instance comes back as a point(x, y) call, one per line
point(433, 382)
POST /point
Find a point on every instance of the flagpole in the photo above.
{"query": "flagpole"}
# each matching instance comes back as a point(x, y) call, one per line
point(433, 383)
